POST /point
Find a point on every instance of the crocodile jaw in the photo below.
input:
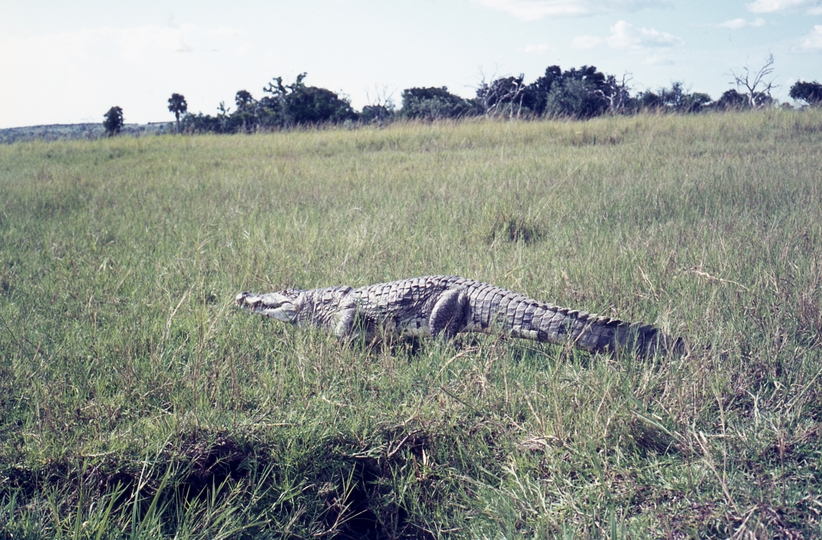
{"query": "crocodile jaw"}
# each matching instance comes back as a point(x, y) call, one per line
point(276, 305)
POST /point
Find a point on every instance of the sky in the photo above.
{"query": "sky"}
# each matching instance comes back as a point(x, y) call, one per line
point(69, 62)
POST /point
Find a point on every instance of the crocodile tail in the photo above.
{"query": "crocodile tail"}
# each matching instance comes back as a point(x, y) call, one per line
point(601, 334)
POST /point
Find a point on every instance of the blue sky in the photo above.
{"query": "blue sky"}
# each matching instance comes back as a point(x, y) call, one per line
point(68, 62)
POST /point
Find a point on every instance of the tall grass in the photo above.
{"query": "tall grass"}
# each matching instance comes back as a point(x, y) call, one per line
point(137, 403)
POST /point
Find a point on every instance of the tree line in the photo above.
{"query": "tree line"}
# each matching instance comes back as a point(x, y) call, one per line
point(575, 93)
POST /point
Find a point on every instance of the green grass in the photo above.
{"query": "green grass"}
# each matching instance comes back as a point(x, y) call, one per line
point(137, 402)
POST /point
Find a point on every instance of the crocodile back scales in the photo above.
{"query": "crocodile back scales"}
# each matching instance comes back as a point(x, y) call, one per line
point(409, 301)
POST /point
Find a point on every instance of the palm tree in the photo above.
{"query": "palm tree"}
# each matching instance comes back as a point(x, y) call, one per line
point(177, 104)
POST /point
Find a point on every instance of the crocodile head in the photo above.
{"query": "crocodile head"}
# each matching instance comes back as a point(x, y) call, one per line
point(283, 305)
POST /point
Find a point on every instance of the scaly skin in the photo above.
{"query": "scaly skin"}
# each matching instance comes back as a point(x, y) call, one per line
point(446, 305)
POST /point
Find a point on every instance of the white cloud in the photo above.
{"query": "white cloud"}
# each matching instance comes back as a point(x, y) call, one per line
point(813, 41)
point(537, 48)
point(736, 24)
point(771, 6)
point(625, 35)
point(530, 10)
point(657, 60)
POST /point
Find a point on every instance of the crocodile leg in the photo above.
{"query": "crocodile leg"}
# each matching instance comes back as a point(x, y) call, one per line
point(345, 318)
point(450, 313)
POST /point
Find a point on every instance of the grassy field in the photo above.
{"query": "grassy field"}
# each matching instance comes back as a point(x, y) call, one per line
point(137, 402)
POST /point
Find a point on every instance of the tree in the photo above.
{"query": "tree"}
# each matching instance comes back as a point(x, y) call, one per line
point(578, 93)
point(244, 101)
point(245, 117)
point(309, 105)
point(177, 104)
point(539, 89)
point(433, 103)
point(617, 93)
point(298, 104)
point(731, 100)
point(504, 96)
point(697, 101)
point(650, 101)
point(202, 123)
point(754, 85)
point(677, 99)
point(273, 107)
point(113, 121)
point(574, 93)
point(573, 99)
point(380, 107)
point(809, 92)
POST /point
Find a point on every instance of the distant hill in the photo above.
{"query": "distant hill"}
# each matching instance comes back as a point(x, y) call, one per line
point(55, 132)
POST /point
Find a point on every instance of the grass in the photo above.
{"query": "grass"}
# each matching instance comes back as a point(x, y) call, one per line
point(138, 403)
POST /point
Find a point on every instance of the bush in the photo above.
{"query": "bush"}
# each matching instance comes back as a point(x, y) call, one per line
point(809, 92)
point(434, 103)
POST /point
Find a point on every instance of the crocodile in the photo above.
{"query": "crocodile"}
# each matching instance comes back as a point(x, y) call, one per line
point(443, 306)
